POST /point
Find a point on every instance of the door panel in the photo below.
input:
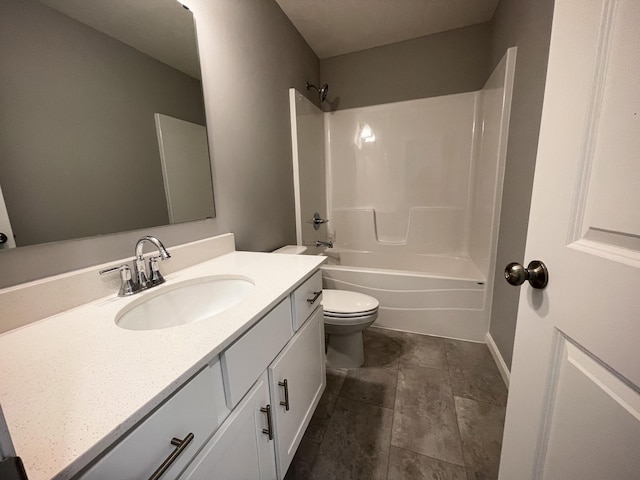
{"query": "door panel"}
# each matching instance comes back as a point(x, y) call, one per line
point(591, 410)
point(607, 218)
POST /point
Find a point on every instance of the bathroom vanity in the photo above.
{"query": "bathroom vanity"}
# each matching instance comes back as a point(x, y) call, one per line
point(225, 397)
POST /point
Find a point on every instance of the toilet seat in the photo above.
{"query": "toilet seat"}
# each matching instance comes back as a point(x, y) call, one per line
point(349, 315)
point(345, 304)
point(350, 321)
point(346, 315)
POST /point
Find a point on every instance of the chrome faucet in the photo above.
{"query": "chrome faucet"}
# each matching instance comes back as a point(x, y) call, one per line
point(142, 281)
point(140, 268)
point(321, 243)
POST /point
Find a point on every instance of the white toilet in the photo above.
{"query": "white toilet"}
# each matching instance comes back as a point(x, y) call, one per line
point(346, 315)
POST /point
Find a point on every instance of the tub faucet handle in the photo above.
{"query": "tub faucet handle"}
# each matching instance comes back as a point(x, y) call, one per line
point(317, 220)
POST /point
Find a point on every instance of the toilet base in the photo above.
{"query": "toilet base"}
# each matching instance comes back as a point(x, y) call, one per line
point(345, 351)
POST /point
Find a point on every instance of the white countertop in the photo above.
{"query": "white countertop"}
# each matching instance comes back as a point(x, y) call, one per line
point(73, 383)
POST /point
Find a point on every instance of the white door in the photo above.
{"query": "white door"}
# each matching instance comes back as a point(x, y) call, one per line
point(186, 169)
point(574, 402)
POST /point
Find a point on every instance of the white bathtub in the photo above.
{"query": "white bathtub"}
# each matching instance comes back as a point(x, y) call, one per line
point(429, 294)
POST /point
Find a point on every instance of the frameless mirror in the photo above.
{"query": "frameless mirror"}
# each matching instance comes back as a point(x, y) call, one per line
point(102, 118)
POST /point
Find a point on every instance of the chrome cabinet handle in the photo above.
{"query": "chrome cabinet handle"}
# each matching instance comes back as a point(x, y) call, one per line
point(536, 273)
point(313, 300)
point(180, 446)
point(285, 384)
point(269, 430)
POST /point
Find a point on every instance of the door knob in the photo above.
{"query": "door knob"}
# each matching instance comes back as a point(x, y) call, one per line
point(536, 272)
point(3, 238)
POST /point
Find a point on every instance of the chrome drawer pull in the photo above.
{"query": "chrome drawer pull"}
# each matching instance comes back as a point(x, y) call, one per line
point(180, 446)
point(269, 429)
point(285, 384)
point(313, 300)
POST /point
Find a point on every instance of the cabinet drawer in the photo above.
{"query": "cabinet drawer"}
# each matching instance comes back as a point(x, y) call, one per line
point(302, 297)
point(245, 360)
point(192, 409)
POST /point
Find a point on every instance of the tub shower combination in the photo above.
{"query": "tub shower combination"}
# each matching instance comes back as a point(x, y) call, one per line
point(412, 191)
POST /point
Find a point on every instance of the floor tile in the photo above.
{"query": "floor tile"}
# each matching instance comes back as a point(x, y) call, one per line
point(447, 417)
point(356, 443)
point(481, 426)
point(307, 452)
point(406, 465)
point(474, 374)
point(347, 465)
point(376, 386)
point(421, 350)
point(322, 415)
point(298, 470)
point(424, 417)
point(380, 349)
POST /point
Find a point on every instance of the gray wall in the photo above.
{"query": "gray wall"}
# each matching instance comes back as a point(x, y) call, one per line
point(78, 145)
point(527, 25)
point(450, 62)
point(250, 55)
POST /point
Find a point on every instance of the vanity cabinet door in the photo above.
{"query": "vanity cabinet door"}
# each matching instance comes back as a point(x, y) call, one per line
point(301, 367)
point(240, 449)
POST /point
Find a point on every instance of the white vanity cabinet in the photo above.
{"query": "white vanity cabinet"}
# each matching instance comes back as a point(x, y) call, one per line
point(265, 428)
point(247, 409)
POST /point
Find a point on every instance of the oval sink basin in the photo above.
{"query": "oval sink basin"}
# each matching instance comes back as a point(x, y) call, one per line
point(184, 302)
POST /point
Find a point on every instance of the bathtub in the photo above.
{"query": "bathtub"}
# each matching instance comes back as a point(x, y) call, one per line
point(429, 294)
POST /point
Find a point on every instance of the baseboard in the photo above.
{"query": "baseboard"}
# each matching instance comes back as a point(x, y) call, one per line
point(495, 353)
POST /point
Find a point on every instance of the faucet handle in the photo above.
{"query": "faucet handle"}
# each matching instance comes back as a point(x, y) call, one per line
point(154, 268)
point(317, 220)
point(126, 285)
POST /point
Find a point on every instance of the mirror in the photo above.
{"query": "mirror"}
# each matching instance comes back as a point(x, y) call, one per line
point(96, 112)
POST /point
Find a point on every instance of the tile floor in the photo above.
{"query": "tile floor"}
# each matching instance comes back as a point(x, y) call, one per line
point(419, 408)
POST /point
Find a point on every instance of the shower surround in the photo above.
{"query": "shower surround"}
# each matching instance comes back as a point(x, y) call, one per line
point(413, 195)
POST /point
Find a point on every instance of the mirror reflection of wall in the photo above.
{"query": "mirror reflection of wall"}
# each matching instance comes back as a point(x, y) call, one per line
point(78, 145)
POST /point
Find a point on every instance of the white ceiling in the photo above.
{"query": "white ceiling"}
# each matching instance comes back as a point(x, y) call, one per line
point(335, 27)
point(162, 29)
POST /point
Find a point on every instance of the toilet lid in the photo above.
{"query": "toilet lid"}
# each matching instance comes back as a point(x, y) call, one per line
point(342, 303)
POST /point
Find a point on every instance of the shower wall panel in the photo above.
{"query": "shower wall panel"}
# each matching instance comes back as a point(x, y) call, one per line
point(307, 134)
point(400, 175)
point(488, 170)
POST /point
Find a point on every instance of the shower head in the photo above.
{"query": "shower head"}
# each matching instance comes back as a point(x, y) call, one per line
point(322, 91)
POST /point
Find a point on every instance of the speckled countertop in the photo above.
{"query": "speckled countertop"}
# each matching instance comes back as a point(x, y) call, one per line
point(73, 383)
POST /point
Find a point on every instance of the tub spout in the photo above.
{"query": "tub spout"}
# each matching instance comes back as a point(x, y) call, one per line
point(321, 243)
